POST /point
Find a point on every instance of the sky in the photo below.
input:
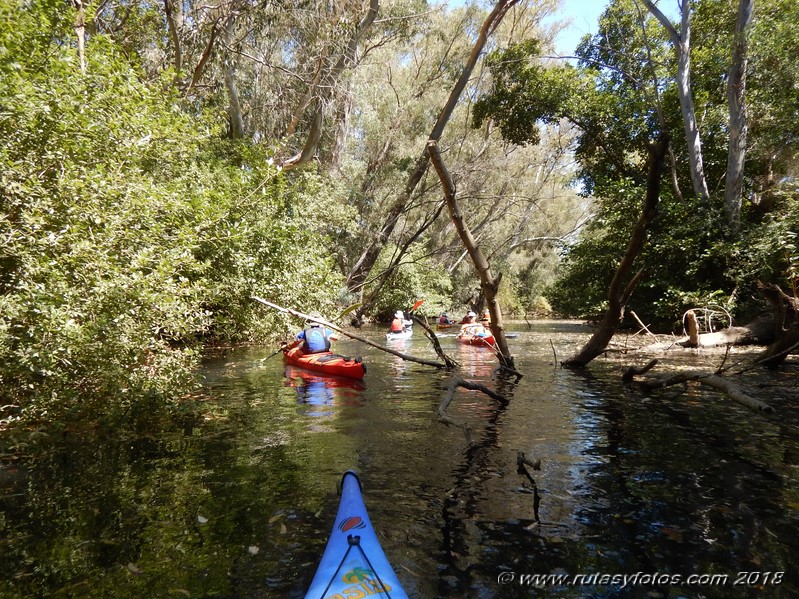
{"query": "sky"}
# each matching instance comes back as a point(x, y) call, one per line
point(584, 15)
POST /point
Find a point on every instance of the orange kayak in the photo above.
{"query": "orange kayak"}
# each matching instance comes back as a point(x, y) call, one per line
point(327, 363)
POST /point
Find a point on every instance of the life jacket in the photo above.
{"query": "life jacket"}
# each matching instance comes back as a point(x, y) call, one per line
point(397, 325)
point(317, 336)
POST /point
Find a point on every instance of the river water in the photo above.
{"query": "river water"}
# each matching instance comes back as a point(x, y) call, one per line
point(239, 502)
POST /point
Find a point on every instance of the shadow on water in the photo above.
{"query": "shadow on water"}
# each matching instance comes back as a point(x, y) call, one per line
point(240, 503)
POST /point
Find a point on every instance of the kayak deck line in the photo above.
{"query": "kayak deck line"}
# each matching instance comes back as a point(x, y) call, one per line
point(354, 565)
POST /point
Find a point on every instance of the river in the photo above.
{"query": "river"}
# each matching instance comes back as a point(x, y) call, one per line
point(680, 493)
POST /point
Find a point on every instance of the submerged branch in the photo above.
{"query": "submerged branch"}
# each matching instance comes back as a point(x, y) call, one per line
point(442, 408)
point(711, 380)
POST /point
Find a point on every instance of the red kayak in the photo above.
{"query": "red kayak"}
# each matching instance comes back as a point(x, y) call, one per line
point(327, 363)
point(476, 335)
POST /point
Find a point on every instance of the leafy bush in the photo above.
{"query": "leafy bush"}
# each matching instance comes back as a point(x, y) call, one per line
point(130, 230)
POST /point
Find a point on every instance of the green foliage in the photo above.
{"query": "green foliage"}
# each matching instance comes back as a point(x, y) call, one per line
point(691, 258)
point(130, 230)
point(524, 93)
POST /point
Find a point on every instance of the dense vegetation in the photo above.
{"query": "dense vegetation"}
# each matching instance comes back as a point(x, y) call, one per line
point(189, 156)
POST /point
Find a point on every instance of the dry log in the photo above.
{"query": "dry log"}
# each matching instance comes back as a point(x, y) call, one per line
point(758, 332)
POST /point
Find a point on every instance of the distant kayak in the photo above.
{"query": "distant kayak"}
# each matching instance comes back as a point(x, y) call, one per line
point(326, 362)
point(354, 564)
point(406, 334)
point(440, 326)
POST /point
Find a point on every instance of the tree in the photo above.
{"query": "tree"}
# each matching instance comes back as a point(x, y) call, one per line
point(736, 86)
point(681, 41)
point(364, 264)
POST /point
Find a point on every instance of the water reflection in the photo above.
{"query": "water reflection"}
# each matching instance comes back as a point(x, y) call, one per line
point(239, 502)
point(322, 390)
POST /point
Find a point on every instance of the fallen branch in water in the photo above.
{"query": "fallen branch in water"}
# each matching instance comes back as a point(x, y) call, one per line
point(521, 461)
point(330, 325)
point(711, 380)
point(442, 407)
point(633, 371)
point(434, 340)
point(642, 325)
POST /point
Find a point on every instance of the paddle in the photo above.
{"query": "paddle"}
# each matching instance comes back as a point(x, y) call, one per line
point(416, 305)
point(272, 355)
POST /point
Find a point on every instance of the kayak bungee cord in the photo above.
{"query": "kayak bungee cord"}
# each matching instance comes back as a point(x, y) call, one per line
point(355, 541)
point(347, 572)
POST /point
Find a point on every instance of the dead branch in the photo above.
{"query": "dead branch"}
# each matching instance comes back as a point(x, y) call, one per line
point(434, 340)
point(643, 326)
point(711, 380)
point(454, 384)
point(634, 371)
point(521, 461)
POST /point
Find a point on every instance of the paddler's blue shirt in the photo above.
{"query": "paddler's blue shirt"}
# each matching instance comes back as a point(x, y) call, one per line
point(315, 339)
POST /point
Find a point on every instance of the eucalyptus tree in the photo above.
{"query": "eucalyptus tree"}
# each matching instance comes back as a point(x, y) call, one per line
point(625, 92)
point(681, 42)
point(369, 256)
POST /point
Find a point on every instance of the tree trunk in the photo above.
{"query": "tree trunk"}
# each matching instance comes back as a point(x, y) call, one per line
point(172, 24)
point(682, 47)
point(364, 265)
point(489, 284)
point(80, 32)
point(620, 287)
point(328, 81)
point(786, 328)
point(736, 101)
point(235, 117)
point(199, 70)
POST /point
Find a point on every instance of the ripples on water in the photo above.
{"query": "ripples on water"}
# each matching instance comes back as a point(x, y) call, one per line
point(240, 504)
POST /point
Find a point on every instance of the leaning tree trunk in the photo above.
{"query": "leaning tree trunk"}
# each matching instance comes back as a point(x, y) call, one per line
point(326, 83)
point(489, 284)
point(620, 287)
point(172, 21)
point(235, 116)
point(364, 265)
point(786, 328)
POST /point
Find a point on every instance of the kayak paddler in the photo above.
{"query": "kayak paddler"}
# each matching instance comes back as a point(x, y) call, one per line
point(314, 338)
